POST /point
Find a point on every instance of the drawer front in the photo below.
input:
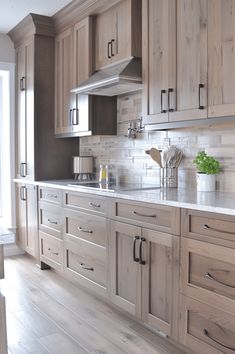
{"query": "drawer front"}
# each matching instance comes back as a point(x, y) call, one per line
point(50, 219)
point(78, 201)
point(51, 250)
point(162, 218)
point(208, 273)
point(205, 329)
point(209, 227)
point(88, 227)
point(50, 195)
point(86, 260)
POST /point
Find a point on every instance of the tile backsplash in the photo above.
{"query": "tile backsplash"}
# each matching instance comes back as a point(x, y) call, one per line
point(133, 165)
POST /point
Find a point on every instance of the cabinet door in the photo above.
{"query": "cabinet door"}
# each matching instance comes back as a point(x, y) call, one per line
point(188, 100)
point(63, 80)
point(31, 240)
point(21, 216)
point(157, 52)
point(21, 117)
point(105, 32)
point(221, 58)
point(160, 282)
point(125, 272)
point(29, 69)
point(83, 61)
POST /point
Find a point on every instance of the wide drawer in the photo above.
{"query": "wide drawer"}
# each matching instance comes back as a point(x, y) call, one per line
point(50, 219)
point(209, 227)
point(86, 263)
point(79, 201)
point(208, 273)
point(51, 250)
point(50, 195)
point(205, 329)
point(159, 217)
point(92, 228)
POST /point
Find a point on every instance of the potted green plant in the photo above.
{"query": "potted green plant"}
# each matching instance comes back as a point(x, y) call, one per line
point(207, 168)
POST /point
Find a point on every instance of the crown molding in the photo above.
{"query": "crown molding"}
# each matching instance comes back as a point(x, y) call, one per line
point(30, 25)
point(78, 10)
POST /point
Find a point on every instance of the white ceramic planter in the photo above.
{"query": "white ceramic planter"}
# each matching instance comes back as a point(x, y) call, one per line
point(205, 183)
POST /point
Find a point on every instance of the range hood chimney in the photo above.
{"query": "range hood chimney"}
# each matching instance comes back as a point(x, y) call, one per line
point(114, 80)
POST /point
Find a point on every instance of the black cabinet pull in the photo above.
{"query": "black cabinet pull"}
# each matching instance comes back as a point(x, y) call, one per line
point(170, 91)
point(206, 333)
point(52, 222)
point(144, 215)
point(71, 116)
point(200, 86)
point(52, 252)
point(209, 276)
point(135, 259)
point(109, 49)
point(22, 84)
point(94, 205)
point(162, 93)
point(112, 53)
point(141, 243)
point(86, 267)
point(83, 230)
point(207, 227)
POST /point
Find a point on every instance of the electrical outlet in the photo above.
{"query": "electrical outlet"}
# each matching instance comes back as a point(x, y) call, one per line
point(167, 142)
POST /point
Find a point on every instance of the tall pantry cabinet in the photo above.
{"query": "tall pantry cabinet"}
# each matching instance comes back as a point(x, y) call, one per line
point(39, 155)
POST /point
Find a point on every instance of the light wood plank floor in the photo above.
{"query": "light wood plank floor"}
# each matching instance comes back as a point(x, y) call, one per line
point(48, 314)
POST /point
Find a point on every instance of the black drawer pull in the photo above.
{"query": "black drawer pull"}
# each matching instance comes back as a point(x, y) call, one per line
point(170, 92)
point(86, 267)
point(200, 86)
point(209, 276)
point(206, 333)
point(52, 222)
point(163, 110)
point(109, 49)
point(135, 259)
point(207, 227)
point(94, 205)
point(86, 231)
point(145, 215)
point(52, 252)
point(112, 53)
point(141, 243)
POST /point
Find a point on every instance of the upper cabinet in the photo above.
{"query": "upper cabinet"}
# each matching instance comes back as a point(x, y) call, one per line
point(174, 60)
point(221, 58)
point(36, 145)
point(118, 33)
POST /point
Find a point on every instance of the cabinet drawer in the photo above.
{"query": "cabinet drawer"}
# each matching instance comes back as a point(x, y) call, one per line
point(78, 201)
point(86, 263)
point(208, 273)
point(210, 227)
point(205, 329)
point(162, 218)
point(85, 226)
point(50, 219)
point(50, 195)
point(51, 250)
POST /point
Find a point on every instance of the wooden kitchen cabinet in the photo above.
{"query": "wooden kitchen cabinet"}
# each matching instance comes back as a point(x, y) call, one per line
point(118, 33)
point(174, 60)
point(37, 147)
point(145, 275)
point(27, 231)
point(221, 72)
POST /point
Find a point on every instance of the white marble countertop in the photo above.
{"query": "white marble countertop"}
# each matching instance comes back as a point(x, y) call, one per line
point(6, 236)
point(216, 202)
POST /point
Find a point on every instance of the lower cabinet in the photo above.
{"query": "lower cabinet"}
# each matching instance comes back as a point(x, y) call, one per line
point(145, 275)
point(51, 250)
point(27, 219)
point(205, 329)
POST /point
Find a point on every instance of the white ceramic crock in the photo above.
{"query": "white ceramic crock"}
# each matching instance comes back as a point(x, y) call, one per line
point(205, 183)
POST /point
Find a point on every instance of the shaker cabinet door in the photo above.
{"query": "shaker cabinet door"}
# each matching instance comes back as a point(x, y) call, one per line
point(221, 57)
point(125, 271)
point(188, 99)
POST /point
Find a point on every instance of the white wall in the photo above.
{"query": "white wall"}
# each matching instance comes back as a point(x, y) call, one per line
point(7, 53)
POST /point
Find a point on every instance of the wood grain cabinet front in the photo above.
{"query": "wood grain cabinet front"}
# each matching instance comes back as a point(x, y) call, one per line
point(145, 275)
point(51, 250)
point(50, 195)
point(118, 33)
point(50, 219)
point(206, 329)
point(93, 204)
